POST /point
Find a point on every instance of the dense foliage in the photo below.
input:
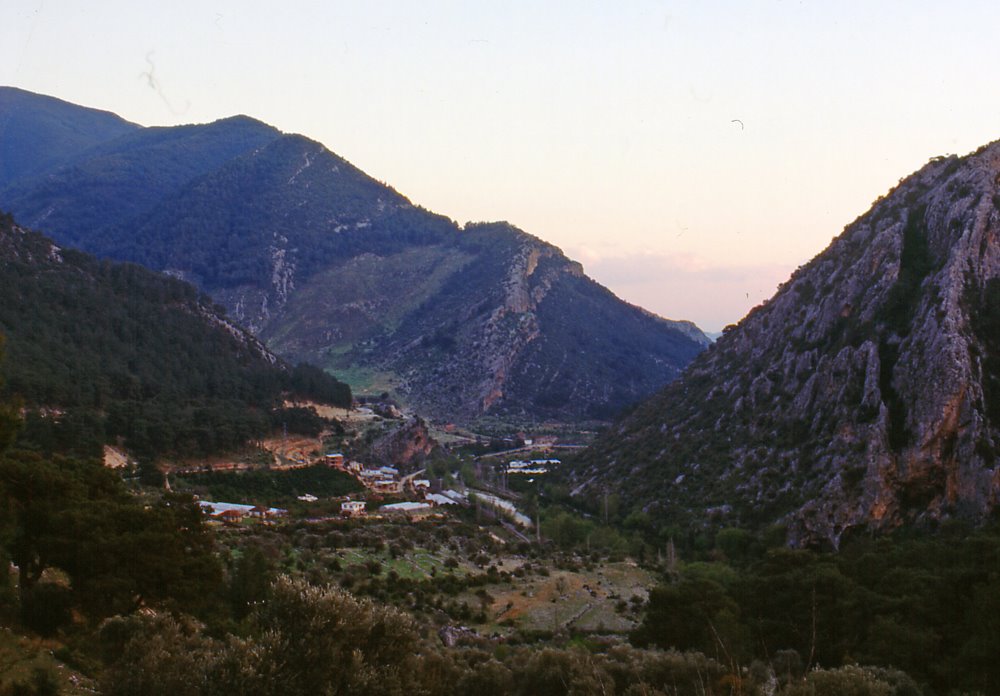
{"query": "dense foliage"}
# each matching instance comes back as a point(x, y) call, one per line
point(924, 604)
point(127, 177)
point(119, 553)
point(66, 517)
point(309, 640)
point(273, 487)
point(102, 351)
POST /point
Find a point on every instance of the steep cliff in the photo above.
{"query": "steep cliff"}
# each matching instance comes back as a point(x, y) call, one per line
point(864, 394)
point(516, 330)
point(406, 446)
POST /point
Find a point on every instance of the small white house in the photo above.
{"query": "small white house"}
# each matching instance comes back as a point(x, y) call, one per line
point(352, 508)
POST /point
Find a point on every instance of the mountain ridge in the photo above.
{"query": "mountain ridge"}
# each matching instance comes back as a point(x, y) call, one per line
point(327, 264)
point(38, 132)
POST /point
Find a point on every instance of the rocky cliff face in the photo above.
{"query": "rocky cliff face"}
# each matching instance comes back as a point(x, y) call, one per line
point(514, 329)
point(406, 446)
point(864, 394)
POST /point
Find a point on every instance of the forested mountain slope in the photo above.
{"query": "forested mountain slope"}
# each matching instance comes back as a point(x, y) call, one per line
point(326, 264)
point(100, 351)
point(38, 133)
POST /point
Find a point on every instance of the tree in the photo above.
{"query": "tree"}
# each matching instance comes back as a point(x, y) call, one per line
point(323, 640)
point(692, 614)
point(118, 553)
point(801, 600)
point(37, 492)
point(10, 419)
point(251, 581)
point(158, 654)
point(301, 640)
point(553, 672)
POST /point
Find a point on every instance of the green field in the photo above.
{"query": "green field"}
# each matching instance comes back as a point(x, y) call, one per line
point(419, 564)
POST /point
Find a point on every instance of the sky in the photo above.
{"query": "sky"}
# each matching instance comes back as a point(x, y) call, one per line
point(689, 154)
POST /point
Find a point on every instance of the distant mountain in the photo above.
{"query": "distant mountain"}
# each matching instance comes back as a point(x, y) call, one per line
point(326, 264)
point(37, 133)
point(96, 199)
point(864, 395)
point(101, 351)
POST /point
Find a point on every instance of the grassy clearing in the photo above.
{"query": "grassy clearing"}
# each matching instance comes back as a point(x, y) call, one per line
point(585, 600)
point(452, 438)
point(418, 564)
point(519, 593)
point(366, 381)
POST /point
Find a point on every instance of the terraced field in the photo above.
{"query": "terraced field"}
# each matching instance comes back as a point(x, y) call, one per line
point(599, 599)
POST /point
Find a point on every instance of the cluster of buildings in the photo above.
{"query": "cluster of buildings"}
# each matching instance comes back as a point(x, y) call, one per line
point(535, 466)
point(385, 480)
point(356, 508)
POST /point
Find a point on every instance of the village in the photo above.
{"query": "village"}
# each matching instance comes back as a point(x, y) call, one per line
point(394, 486)
point(424, 497)
point(378, 482)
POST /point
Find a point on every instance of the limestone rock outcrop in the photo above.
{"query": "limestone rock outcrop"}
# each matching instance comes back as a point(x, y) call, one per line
point(864, 395)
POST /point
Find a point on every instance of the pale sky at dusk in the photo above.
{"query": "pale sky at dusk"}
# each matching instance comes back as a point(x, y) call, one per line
point(689, 154)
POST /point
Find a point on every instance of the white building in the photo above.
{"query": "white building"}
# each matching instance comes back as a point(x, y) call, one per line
point(352, 508)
